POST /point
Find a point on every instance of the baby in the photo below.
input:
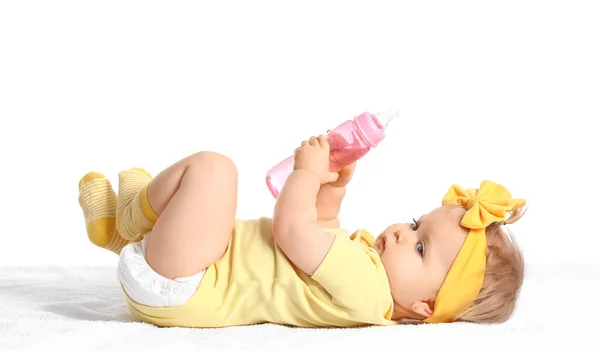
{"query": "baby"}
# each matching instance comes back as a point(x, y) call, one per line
point(187, 261)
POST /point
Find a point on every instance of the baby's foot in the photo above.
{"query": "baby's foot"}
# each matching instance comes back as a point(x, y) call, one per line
point(99, 204)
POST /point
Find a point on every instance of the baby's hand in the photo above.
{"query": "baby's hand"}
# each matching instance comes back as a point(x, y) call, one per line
point(313, 155)
point(345, 175)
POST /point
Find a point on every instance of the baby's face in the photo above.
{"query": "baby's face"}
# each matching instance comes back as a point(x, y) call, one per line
point(417, 257)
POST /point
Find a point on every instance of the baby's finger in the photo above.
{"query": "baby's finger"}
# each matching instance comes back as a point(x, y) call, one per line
point(347, 171)
point(350, 168)
point(313, 141)
point(323, 142)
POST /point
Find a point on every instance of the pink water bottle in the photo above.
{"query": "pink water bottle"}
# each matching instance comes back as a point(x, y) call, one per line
point(348, 142)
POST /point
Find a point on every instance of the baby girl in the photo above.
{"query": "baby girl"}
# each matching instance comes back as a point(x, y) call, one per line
point(186, 260)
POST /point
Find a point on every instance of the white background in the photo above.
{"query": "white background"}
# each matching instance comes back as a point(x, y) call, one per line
point(507, 91)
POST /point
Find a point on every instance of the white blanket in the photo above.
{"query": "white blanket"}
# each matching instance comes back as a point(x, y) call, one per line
point(82, 308)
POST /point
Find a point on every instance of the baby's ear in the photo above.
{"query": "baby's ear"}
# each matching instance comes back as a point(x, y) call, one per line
point(423, 308)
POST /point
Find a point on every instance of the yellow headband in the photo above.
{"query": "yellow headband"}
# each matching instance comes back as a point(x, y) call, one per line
point(463, 282)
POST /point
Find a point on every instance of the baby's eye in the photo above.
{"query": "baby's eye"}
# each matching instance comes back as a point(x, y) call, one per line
point(420, 248)
point(415, 225)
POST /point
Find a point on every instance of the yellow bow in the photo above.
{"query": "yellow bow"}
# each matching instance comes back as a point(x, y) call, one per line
point(463, 282)
point(485, 205)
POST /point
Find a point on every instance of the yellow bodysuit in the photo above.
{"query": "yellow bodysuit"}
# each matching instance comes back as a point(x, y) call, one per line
point(254, 283)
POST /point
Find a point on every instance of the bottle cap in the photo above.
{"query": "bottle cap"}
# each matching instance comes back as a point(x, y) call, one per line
point(373, 125)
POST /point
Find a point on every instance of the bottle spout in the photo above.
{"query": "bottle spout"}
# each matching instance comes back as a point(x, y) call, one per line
point(386, 117)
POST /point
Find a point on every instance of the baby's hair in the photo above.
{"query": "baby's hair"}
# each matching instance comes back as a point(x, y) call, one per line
point(503, 275)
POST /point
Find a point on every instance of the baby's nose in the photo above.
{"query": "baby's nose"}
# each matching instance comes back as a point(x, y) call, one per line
point(399, 236)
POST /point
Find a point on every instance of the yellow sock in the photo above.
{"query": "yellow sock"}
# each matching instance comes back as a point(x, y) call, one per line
point(99, 204)
point(135, 216)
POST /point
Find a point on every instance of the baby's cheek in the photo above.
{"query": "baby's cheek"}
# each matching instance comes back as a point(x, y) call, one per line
point(405, 288)
point(401, 274)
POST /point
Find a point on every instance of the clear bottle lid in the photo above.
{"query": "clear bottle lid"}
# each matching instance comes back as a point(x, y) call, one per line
point(384, 118)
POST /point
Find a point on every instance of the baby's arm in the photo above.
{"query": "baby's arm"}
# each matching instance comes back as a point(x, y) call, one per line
point(295, 227)
point(330, 196)
point(329, 202)
point(350, 271)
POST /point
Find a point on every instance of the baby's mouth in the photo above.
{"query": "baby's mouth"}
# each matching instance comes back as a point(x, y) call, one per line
point(380, 244)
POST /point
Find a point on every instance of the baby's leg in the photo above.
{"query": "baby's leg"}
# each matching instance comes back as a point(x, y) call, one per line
point(196, 200)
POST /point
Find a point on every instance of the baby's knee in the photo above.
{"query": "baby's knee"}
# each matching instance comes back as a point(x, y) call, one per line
point(214, 161)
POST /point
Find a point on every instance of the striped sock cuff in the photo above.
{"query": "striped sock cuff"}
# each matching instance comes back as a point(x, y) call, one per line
point(145, 206)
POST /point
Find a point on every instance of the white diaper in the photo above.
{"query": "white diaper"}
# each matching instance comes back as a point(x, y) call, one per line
point(145, 286)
